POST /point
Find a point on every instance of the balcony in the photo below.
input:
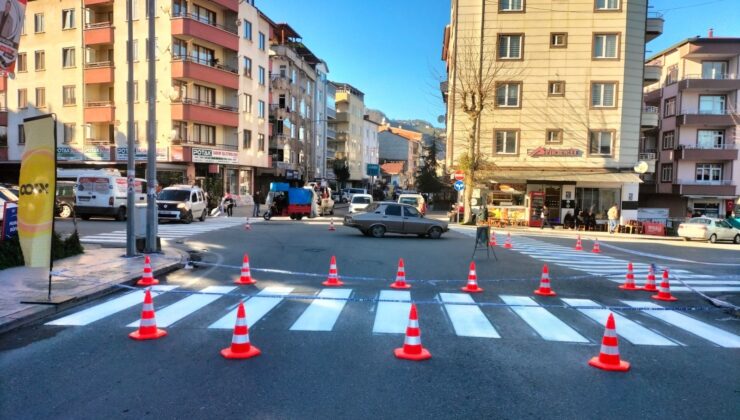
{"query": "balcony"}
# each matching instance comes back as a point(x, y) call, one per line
point(98, 33)
point(653, 26)
point(331, 133)
point(649, 117)
point(278, 112)
point(100, 112)
point(280, 81)
point(89, 3)
point(204, 112)
point(342, 116)
point(713, 83)
point(696, 153)
point(704, 188)
point(100, 72)
point(342, 136)
point(724, 119)
point(189, 26)
point(652, 74)
point(331, 113)
point(185, 67)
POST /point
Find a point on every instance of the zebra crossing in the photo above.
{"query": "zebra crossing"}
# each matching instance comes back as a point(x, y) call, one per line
point(612, 268)
point(465, 317)
point(172, 230)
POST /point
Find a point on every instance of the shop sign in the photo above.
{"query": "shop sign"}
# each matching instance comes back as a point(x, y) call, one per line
point(548, 151)
point(68, 153)
point(214, 156)
point(140, 153)
point(176, 153)
point(97, 153)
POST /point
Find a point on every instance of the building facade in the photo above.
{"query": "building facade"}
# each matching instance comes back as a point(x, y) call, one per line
point(398, 145)
point(561, 121)
point(349, 123)
point(692, 127)
point(370, 147)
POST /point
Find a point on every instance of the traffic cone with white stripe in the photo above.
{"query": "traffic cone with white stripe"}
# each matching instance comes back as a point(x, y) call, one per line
point(246, 274)
point(333, 279)
point(545, 289)
point(664, 292)
point(492, 240)
point(507, 243)
point(331, 225)
point(629, 280)
point(597, 248)
point(240, 347)
point(400, 282)
point(650, 282)
point(248, 226)
point(579, 246)
point(608, 358)
point(472, 286)
point(147, 279)
point(148, 325)
point(412, 349)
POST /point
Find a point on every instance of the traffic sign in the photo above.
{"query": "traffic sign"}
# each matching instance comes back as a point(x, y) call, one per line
point(459, 185)
point(459, 175)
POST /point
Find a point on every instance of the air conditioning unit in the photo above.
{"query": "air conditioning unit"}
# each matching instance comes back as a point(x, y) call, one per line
point(647, 156)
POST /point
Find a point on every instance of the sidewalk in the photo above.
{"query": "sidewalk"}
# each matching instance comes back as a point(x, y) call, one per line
point(81, 278)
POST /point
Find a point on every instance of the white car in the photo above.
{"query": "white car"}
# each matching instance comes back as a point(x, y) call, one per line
point(181, 202)
point(705, 228)
point(359, 202)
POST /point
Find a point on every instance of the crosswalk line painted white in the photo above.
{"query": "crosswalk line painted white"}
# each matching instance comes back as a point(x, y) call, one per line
point(547, 325)
point(322, 314)
point(705, 289)
point(687, 323)
point(256, 307)
point(468, 320)
point(629, 330)
point(179, 310)
point(392, 317)
point(109, 307)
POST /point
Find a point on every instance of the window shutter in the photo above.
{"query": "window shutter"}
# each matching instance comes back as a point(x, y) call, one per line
point(608, 95)
point(515, 43)
point(611, 45)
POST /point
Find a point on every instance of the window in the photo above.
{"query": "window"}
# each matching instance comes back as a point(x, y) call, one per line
point(136, 131)
point(247, 30)
point(68, 57)
point(38, 23)
point(507, 95)
point(393, 210)
point(261, 75)
point(146, 7)
point(68, 95)
point(179, 49)
point(136, 91)
point(607, 4)
point(600, 143)
point(204, 15)
point(247, 139)
point(181, 130)
point(710, 139)
point(669, 107)
point(511, 5)
point(22, 98)
point(247, 103)
point(22, 63)
point(671, 74)
point(606, 46)
point(203, 55)
point(205, 134)
point(135, 50)
point(666, 172)
point(68, 19)
point(668, 139)
point(40, 60)
point(69, 133)
point(260, 142)
point(506, 143)
point(261, 108)
point(204, 95)
point(713, 69)
point(556, 88)
point(261, 38)
point(248, 67)
point(156, 48)
point(510, 47)
point(21, 134)
point(554, 136)
point(708, 172)
point(558, 40)
point(135, 7)
point(712, 104)
point(603, 94)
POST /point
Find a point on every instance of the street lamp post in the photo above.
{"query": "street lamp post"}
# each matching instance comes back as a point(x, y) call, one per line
point(151, 133)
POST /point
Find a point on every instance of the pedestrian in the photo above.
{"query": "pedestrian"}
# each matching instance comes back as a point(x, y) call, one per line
point(544, 215)
point(228, 205)
point(613, 215)
point(256, 197)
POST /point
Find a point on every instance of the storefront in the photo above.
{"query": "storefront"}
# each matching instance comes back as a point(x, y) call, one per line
point(712, 206)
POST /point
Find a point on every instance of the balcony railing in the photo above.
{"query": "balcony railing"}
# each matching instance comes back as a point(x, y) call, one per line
point(194, 142)
point(98, 64)
point(723, 146)
point(228, 28)
point(210, 63)
point(193, 101)
point(701, 182)
point(98, 142)
point(98, 104)
point(98, 25)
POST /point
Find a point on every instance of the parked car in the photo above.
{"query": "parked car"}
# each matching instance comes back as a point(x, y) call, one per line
point(182, 203)
point(65, 199)
point(384, 217)
point(105, 195)
point(347, 193)
point(416, 200)
point(705, 228)
point(6, 195)
point(360, 202)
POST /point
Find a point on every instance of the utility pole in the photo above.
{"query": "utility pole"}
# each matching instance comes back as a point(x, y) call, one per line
point(151, 135)
point(130, 164)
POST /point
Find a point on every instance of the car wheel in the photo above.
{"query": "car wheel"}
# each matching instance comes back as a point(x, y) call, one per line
point(435, 232)
point(65, 211)
point(713, 238)
point(267, 215)
point(331, 212)
point(299, 217)
point(121, 214)
point(202, 217)
point(188, 218)
point(686, 239)
point(737, 239)
point(377, 231)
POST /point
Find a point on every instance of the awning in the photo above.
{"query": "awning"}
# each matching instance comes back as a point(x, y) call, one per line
point(532, 176)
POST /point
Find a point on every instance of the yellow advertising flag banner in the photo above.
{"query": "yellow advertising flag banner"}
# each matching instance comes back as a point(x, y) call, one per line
point(37, 190)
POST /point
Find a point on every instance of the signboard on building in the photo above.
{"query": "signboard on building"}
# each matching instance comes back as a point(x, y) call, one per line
point(68, 153)
point(97, 153)
point(140, 153)
point(214, 156)
point(549, 151)
point(373, 169)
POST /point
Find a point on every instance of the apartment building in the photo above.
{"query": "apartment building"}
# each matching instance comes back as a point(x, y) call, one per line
point(73, 62)
point(692, 126)
point(349, 123)
point(333, 147)
point(370, 146)
point(399, 146)
point(562, 125)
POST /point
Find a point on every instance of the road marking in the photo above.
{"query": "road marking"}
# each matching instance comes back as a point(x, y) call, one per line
point(392, 317)
point(322, 314)
point(108, 308)
point(468, 320)
point(547, 325)
point(256, 307)
point(179, 310)
point(692, 325)
point(629, 330)
point(705, 289)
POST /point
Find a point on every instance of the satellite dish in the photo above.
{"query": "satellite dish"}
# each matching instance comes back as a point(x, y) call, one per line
point(441, 119)
point(641, 167)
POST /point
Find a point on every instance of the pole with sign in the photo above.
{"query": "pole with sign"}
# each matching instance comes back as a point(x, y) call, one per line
point(459, 186)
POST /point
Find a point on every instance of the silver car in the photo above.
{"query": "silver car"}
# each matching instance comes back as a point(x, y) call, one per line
point(387, 217)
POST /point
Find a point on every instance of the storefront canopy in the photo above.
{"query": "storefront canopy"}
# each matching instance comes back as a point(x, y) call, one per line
point(521, 176)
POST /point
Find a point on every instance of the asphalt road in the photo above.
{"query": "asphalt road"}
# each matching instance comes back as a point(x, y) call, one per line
point(96, 371)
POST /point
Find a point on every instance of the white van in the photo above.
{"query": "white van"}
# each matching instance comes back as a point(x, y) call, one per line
point(105, 195)
point(182, 203)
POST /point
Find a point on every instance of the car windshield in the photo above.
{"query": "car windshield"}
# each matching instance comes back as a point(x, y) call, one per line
point(360, 200)
point(174, 195)
point(408, 200)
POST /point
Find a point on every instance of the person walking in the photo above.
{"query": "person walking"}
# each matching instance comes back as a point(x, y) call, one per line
point(228, 205)
point(613, 215)
point(545, 214)
point(256, 198)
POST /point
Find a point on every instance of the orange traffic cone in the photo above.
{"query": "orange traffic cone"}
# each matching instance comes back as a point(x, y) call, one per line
point(544, 289)
point(472, 286)
point(331, 225)
point(492, 240)
point(579, 246)
point(400, 282)
point(664, 293)
point(333, 279)
point(240, 346)
point(147, 279)
point(248, 226)
point(608, 358)
point(507, 244)
point(148, 325)
point(246, 275)
point(597, 248)
point(650, 282)
point(412, 349)
point(629, 280)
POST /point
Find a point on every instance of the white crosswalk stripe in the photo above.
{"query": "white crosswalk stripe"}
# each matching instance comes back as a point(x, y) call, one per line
point(256, 307)
point(173, 230)
point(322, 314)
point(468, 320)
point(547, 325)
point(179, 310)
point(392, 317)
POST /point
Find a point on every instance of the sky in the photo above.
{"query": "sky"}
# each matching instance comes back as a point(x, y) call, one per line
point(391, 49)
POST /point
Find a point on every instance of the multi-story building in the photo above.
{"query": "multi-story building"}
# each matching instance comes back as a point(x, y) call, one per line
point(370, 146)
point(691, 127)
point(400, 146)
point(334, 148)
point(564, 93)
point(350, 120)
point(73, 62)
